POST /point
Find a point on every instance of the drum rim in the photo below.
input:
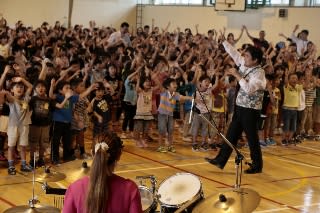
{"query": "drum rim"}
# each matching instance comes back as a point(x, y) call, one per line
point(194, 198)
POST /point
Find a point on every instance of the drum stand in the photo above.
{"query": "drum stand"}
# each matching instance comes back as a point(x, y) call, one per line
point(152, 179)
point(239, 157)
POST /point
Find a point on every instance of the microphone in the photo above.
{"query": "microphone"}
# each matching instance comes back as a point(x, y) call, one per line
point(192, 106)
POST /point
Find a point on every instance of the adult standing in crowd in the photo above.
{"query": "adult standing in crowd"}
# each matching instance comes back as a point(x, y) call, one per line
point(252, 82)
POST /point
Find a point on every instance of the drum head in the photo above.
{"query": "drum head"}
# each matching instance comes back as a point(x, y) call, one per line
point(147, 198)
point(178, 189)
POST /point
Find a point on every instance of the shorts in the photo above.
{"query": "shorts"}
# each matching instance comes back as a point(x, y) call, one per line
point(165, 124)
point(39, 135)
point(15, 133)
point(289, 118)
point(100, 128)
point(142, 126)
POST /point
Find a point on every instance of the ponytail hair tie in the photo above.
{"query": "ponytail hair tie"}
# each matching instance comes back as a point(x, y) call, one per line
point(101, 145)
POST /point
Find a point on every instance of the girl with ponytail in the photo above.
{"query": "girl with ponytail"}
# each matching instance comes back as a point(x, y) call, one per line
point(103, 191)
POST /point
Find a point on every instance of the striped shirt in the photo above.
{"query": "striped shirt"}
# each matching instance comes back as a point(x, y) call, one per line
point(310, 96)
point(168, 102)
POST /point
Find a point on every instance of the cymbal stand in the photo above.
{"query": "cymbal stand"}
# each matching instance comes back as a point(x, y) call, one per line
point(33, 201)
point(239, 157)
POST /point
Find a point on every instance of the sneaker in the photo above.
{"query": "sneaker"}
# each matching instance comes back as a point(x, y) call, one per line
point(40, 162)
point(270, 141)
point(204, 147)
point(123, 136)
point(31, 163)
point(284, 142)
point(212, 146)
point(262, 143)
point(12, 170)
point(171, 149)
point(195, 148)
point(55, 162)
point(26, 168)
point(3, 158)
point(310, 132)
point(186, 139)
point(162, 149)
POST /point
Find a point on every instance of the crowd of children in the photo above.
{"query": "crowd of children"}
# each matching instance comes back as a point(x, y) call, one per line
point(56, 81)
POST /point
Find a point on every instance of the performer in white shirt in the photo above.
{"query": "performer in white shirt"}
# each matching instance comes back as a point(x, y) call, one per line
point(252, 82)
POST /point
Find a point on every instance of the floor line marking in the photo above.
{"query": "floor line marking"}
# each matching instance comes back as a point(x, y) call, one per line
point(7, 202)
point(310, 148)
point(299, 163)
point(286, 208)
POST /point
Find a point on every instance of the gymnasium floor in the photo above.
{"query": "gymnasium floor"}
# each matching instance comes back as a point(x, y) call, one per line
point(289, 181)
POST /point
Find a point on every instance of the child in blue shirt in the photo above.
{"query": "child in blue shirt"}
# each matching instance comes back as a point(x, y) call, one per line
point(62, 119)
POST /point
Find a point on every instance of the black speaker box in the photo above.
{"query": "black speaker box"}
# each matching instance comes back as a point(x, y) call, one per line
point(283, 13)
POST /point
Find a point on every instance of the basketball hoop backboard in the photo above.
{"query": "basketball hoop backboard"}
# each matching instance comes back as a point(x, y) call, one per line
point(230, 5)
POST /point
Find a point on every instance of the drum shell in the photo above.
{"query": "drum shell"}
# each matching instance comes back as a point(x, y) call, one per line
point(148, 201)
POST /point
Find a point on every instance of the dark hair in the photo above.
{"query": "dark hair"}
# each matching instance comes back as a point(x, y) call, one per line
point(124, 24)
point(167, 82)
point(256, 53)
point(305, 32)
point(204, 77)
point(75, 82)
point(270, 77)
point(231, 78)
point(100, 86)
point(16, 83)
point(61, 84)
point(190, 75)
point(101, 170)
point(40, 82)
point(142, 80)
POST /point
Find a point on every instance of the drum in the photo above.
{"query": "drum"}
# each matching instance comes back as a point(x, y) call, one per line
point(148, 202)
point(179, 190)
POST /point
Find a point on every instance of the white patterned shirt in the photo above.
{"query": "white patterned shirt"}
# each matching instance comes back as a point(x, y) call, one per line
point(253, 83)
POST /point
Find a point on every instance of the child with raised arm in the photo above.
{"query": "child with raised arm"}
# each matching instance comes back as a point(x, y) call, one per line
point(143, 115)
point(62, 119)
point(80, 118)
point(203, 100)
point(100, 105)
point(129, 103)
point(19, 120)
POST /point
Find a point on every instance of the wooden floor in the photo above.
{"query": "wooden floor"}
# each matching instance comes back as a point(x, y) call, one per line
point(289, 182)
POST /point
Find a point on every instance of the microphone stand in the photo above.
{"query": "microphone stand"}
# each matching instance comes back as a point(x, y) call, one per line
point(239, 157)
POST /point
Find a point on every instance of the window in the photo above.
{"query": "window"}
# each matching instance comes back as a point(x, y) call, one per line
point(196, 2)
point(279, 2)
